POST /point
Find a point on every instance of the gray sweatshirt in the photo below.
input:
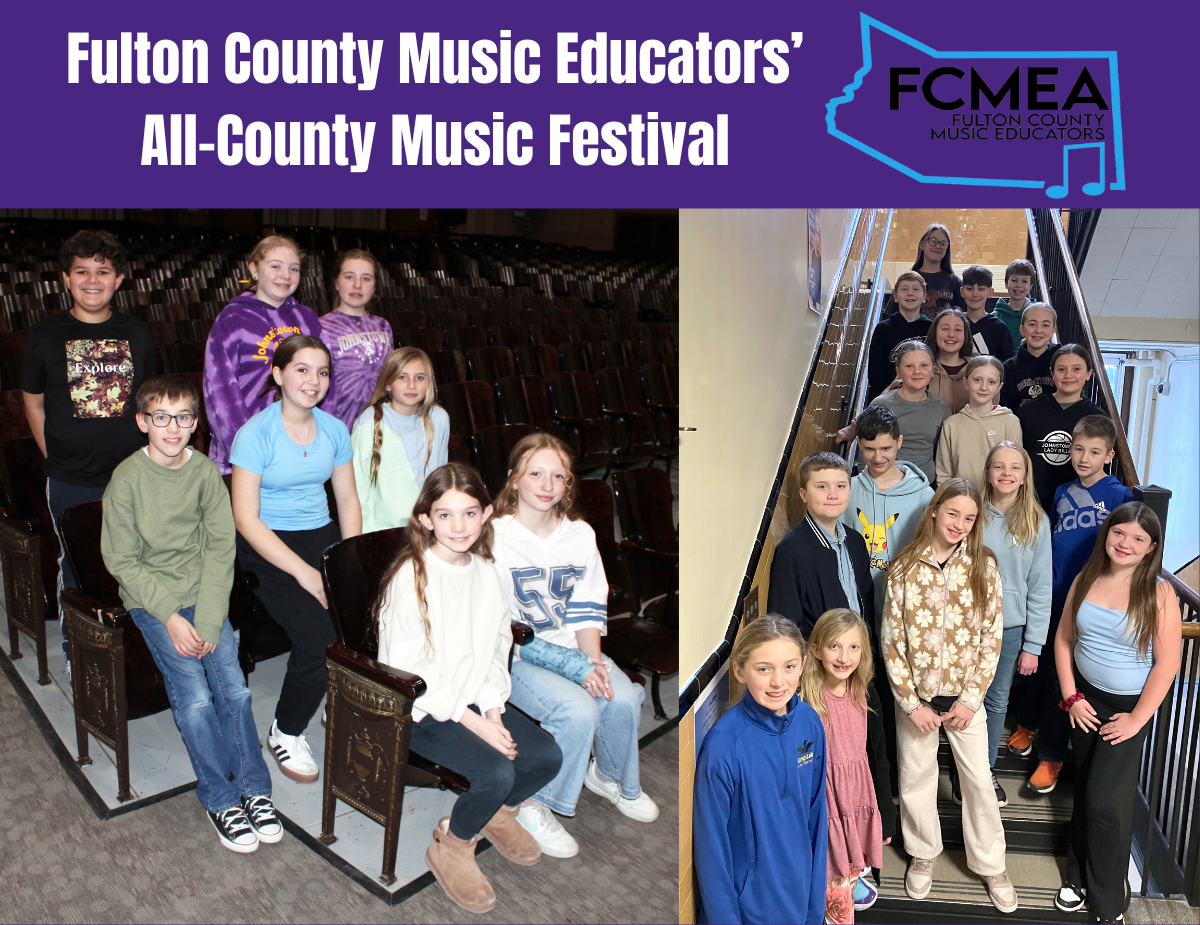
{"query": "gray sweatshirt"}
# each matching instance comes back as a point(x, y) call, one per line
point(920, 424)
point(887, 520)
point(1025, 572)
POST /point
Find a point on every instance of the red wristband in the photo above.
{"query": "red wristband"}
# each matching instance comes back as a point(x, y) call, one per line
point(1065, 705)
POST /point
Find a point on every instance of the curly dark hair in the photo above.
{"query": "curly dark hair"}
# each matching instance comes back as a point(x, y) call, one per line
point(102, 245)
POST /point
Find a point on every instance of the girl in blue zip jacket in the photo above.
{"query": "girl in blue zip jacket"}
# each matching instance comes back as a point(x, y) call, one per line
point(759, 813)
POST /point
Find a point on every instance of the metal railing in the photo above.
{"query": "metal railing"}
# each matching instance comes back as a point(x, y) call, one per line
point(1167, 812)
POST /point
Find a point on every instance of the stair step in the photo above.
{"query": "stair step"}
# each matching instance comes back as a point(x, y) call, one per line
point(958, 895)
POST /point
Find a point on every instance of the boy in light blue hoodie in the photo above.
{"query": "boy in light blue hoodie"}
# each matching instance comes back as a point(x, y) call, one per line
point(887, 499)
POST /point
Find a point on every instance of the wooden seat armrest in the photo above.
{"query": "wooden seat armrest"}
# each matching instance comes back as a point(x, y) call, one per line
point(115, 617)
point(670, 558)
point(402, 682)
point(522, 633)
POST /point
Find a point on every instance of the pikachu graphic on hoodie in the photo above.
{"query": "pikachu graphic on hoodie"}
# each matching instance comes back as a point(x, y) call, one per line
point(887, 520)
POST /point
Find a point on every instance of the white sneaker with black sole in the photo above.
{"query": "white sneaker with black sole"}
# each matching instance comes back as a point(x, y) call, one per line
point(1070, 898)
point(547, 831)
point(261, 813)
point(294, 756)
point(641, 807)
point(235, 831)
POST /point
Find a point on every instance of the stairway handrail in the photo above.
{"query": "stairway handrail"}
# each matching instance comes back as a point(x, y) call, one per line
point(1107, 400)
point(874, 309)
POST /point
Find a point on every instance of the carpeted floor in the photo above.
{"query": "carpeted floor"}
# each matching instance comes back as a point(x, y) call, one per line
point(59, 863)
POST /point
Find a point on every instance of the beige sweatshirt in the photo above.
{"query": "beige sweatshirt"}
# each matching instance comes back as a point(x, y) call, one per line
point(968, 437)
point(935, 641)
point(470, 636)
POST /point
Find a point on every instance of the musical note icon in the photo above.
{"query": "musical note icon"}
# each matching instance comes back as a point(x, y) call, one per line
point(1092, 188)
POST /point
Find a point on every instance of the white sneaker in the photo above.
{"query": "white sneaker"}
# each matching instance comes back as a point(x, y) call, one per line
point(293, 754)
point(641, 807)
point(547, 831)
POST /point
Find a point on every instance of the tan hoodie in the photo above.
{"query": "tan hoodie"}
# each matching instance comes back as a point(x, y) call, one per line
point(968, 437)
point(935, 641)
point(950, 389)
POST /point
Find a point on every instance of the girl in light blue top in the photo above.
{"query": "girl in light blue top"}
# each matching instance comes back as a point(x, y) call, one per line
point(281, 459)
point(1017, 531)
point(1117, 651)
point(400, 438)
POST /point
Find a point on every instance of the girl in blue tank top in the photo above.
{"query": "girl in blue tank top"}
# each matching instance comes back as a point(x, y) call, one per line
point(1117, 652)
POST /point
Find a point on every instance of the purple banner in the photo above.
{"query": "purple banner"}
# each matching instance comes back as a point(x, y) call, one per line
point(623, 104)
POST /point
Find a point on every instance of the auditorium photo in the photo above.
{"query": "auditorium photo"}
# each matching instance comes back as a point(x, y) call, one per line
point(340, 554)
point(939, 567)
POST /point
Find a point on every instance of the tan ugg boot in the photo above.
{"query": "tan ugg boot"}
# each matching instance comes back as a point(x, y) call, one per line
point(452, 862)
point(511, 838)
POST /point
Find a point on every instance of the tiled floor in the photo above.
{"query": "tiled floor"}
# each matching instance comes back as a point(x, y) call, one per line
point(159, 763)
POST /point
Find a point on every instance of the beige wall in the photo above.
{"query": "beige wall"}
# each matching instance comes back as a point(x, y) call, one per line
point(747, 339)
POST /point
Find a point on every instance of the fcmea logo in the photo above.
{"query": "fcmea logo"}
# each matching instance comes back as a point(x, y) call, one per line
point(1045, 120)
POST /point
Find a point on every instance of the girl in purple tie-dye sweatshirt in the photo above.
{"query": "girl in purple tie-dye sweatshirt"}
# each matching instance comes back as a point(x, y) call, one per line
point(237, 358)
point(358, 341)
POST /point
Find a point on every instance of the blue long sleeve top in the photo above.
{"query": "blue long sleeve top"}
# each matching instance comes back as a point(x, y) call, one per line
point(760, 827)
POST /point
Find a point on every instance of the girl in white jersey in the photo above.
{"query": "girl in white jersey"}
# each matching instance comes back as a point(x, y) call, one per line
point(556, 584)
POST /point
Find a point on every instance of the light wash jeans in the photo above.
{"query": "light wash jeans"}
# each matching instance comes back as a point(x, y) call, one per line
point(576, 719)
point(995, 701)
point(211, 706)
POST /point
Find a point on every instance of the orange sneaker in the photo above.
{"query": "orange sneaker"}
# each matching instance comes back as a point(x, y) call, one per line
point(1020, 743)
point(1045, 778)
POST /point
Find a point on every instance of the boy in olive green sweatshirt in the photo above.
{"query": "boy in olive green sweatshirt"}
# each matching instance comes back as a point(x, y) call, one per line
point(168, 539)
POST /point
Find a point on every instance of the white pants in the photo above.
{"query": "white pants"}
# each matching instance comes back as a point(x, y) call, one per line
point(916, 754)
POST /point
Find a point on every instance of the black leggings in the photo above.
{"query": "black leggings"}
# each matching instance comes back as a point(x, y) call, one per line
point(1102, 818)
point(307, 624)
point(494, 779)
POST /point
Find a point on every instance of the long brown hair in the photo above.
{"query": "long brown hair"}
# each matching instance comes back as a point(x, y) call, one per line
point(1141, 616)
point(1024, 519)
point(829, 627)
point(518, 465)
point(354, 253)
point(389, 373)
point(946, 266)
point(967, 350)
point(452, 476)
point(972, 543)
point(285, 353)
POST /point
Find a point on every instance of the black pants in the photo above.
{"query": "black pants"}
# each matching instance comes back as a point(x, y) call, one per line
point(1039, 700)
point(59, 497)
point(495, 780)
point(1102, 818)
point(307, 624)
point(887, 706)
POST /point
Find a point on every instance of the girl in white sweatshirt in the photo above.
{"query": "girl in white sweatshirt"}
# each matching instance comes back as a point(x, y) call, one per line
point(443, 615)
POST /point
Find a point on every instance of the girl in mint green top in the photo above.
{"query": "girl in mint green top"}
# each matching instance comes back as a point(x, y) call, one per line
point(401, 437)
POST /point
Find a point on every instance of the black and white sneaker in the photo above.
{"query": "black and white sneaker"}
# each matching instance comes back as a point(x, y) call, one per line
point(1070, 898)
point(1001, 796)
point(261, 813)
point(293, 754)
point(235, 830)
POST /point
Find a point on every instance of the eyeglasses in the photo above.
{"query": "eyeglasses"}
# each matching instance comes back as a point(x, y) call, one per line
point(162, 419)
point(937, 242)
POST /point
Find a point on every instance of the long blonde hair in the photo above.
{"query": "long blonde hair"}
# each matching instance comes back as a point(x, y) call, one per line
point(829, 627)
point(518, 464)
point(392, 367)
point(1024, 519)
point(452, 476)
point(761, 630)
point(972, 543)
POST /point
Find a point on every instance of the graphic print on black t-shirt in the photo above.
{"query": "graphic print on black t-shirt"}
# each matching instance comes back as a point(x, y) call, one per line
point(100, 377)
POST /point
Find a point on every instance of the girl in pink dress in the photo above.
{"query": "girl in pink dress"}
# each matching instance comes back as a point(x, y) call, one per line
point(837, 684)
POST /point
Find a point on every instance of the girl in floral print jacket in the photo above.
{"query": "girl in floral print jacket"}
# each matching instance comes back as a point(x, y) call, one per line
point(943, 623)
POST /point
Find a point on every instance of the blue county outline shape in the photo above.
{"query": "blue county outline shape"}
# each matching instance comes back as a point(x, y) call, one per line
point(868, 22)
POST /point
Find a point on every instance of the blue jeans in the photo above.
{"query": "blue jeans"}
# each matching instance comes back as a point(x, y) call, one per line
point(211, 706)
point(995, 701)
point(576, 719)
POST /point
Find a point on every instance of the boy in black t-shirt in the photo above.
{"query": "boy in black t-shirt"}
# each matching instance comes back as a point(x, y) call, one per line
point(80, 371)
